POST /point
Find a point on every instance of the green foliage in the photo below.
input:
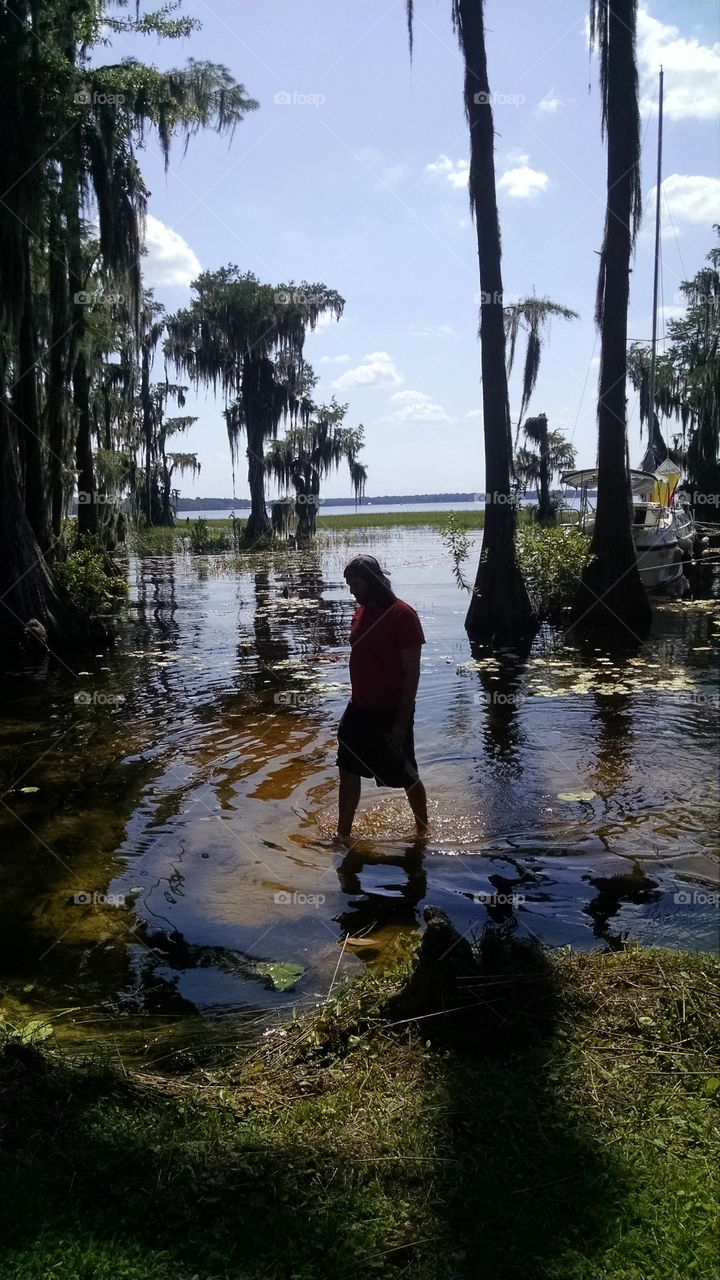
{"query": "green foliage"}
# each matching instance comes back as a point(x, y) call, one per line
point(551, 561)
point(458, 544)
point(340, 1146)
point(32, 1032)
point(84, 576)
point(533, 315)
point(204, 541)
point(687, 380)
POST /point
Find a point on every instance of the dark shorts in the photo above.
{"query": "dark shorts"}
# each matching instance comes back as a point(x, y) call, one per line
point(363, 747)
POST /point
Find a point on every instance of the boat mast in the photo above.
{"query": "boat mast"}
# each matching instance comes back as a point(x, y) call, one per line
point(653, 353)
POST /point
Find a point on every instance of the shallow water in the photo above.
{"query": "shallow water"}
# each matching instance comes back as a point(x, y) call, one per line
point(167, 809)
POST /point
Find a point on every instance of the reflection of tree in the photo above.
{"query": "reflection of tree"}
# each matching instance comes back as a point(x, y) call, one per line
point(374, 910)
point(501, 698)
point(156, 596)
point(613, 717)
point(271, 647)
point(612, 891)
point(614, 744)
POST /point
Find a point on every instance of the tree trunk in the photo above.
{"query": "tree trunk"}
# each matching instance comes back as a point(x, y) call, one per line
point(58, 377)
point(28, 410)
point(87, 509)
point(29, 605)
point(307, 491)
point(611, 593)
point(256, 389)
point(545, 514)
point(500, 609)
point(87, 496)
point(258, 525)
point(147, 417)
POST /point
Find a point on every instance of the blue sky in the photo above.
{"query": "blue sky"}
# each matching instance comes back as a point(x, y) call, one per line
point(359, 181)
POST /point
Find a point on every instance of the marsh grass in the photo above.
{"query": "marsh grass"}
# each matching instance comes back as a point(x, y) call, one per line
point(342, 1146)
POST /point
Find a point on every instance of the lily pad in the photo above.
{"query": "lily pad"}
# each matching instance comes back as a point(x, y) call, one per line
point(35, 1030)
point(282, 976)
point(576, 795)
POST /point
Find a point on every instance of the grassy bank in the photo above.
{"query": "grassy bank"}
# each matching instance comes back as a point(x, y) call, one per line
point(581, 1148)
point(157, 541)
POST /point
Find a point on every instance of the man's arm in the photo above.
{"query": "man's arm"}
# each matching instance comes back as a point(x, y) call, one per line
point(410, 660)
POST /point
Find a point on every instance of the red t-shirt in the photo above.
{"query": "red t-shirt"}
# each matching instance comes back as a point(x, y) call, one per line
point(377, 637)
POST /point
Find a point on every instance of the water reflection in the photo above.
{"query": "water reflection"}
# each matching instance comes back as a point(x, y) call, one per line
point(390, 901)
point(570, 798)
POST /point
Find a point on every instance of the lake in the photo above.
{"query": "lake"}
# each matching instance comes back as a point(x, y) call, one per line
point(348, 509)
point(168, 808)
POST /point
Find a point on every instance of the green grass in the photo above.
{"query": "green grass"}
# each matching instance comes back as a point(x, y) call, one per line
point(151, 542)
point(581, 1148)
point(364, 519)
point(158, 541)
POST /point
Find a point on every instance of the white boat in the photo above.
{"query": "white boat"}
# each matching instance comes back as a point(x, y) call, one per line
point(663, 528)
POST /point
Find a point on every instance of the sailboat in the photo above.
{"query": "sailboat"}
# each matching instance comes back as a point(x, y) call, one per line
point(663, 528)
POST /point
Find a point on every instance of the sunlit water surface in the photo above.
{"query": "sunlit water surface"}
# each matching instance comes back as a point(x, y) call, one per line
point(168, 808)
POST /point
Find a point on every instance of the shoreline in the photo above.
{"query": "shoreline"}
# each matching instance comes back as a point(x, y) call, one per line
point(575, 1141)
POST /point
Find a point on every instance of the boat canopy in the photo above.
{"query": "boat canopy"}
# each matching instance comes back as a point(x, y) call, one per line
point(641, 482)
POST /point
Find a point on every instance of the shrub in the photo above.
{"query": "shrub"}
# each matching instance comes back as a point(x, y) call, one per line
point(552, 561)
point(203, 542)
point(85, 578)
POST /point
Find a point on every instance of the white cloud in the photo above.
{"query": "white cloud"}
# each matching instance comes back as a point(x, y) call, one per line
point(474, 413)
point(325, 319)
point(552, 103)
point(415, 406)
point(169, 258)
point(454, 171)
point(692, 71)
point(334, 359)
point(523, 183)
point(376, 370)
point(689, 199)
point(383, 169)
point(431, 331)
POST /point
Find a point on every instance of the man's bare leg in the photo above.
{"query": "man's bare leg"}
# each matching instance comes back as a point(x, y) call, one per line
point(348, 801)
point(417, 799)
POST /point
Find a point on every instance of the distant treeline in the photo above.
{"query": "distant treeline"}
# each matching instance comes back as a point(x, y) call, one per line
point(228, 504)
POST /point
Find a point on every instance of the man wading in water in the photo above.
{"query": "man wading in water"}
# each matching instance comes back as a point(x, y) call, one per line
point(375, 734)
